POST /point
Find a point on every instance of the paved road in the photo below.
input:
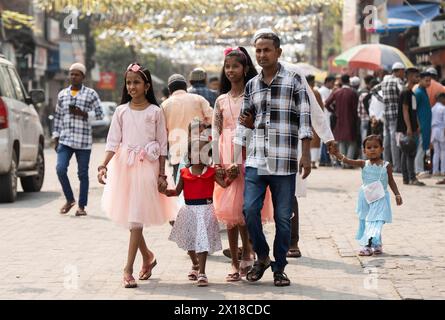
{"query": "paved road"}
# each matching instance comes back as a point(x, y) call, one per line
point(48, 256)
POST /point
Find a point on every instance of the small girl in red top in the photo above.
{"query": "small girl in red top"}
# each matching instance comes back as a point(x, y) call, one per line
point(196, 228)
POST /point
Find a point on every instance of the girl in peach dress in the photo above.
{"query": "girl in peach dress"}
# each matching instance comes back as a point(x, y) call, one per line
point(134, 168)
point(238, 69)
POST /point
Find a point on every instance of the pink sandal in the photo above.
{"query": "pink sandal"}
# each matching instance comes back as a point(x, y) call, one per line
point(378, 250)
point(202, 280)
point(129, 282)
point(193, 274)
point(245, 266)
point(365, 251)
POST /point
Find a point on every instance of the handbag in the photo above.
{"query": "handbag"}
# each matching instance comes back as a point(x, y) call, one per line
point(374, 191)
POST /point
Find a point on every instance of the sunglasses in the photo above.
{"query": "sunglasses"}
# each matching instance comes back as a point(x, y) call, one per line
point(134, 67)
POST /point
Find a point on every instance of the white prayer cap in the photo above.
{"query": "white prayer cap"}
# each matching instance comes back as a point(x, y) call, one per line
point(263, 31)
point(398, 66)
point(79, 67)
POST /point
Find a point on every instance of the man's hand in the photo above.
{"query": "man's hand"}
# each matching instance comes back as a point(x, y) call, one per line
point(56, 143)
point(246, 119)
point(305, 163)
point(78, 112)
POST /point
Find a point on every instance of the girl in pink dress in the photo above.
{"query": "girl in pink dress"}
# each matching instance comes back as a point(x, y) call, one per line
point(134, 168)
point(238, 69)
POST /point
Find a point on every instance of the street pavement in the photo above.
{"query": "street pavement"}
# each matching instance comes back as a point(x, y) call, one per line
point(45, 255)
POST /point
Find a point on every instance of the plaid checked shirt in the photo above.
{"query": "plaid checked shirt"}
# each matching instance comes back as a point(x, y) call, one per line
point(361, 111)
point(282, 116)
point(391, 90)
point(203, 91)
point(73, 131)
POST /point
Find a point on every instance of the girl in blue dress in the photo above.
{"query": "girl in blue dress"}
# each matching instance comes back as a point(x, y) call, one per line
point(373, 205)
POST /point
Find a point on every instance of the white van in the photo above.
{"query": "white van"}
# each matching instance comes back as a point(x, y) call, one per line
point(21, 135)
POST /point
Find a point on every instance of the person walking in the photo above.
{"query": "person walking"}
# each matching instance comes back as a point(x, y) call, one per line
point(424, 116)
point(343, 102)
point(76, 107)
point(373, 204)
point(391, 87)
point(278, 100)
point(133, 169)
point(407, 125)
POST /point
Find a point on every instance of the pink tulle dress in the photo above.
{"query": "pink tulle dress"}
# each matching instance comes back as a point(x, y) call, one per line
point(228, 201)
point(131, 197)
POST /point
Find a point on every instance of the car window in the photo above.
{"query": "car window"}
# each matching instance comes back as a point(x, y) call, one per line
point(17, 84)
point(6, 87)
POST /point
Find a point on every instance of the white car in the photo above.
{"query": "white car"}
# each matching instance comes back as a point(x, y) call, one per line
point(21, 135)
point(100, 127)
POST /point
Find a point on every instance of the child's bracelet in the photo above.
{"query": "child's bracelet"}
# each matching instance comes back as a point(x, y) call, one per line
point(398, 195)
point(102, 167)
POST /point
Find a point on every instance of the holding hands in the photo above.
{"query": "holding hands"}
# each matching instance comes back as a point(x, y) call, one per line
point(102, 174)
point(246, 119)
point(162, 183)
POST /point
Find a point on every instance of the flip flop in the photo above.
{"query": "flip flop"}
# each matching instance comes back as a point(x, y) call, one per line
point(129, 282)
point(233, 277)
point(145, 272)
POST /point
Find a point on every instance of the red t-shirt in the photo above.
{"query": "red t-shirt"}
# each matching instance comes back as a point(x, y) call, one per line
point(198, 187)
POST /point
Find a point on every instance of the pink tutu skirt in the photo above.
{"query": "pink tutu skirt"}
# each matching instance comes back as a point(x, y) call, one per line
point(229, 201)
point(131, 195)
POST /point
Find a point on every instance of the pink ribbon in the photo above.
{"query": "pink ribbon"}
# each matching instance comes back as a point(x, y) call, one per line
point(151, 150)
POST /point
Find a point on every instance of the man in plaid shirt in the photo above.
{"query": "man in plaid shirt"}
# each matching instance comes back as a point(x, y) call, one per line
point(279, 102)
point(76, 107)
point(392, 88)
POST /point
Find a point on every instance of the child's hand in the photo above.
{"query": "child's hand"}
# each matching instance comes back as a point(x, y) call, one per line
point(399, 200)
point(102, 174)
point(170, 193)
point(162, 184)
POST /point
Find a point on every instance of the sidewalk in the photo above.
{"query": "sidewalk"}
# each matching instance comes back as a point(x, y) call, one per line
point(49, 256)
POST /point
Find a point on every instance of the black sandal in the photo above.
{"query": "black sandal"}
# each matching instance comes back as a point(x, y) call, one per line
point(280, 279)
point(257, 271)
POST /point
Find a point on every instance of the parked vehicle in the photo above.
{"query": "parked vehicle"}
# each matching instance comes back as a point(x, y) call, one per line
point(100, 127)
point(21, 135)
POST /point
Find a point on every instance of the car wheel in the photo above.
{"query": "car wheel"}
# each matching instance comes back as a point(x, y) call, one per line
point(8, 182)
point(34, 183)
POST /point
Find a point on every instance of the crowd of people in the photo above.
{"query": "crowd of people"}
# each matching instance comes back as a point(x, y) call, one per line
point(241, 156)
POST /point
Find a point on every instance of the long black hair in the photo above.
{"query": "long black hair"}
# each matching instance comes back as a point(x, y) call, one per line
point(146, 76)
point(242, 56)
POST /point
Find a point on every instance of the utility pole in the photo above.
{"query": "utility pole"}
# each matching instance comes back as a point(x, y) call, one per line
point(319, 41)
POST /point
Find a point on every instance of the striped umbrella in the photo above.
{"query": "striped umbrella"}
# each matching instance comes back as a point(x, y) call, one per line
point(372, 56)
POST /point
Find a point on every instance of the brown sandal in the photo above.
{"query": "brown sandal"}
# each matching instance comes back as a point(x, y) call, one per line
point(67, 207)
point(81, 212)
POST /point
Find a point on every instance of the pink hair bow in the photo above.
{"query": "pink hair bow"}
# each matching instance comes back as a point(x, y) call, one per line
point(228, 50)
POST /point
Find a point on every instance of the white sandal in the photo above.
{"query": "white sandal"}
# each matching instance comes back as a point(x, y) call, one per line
point(202, 280)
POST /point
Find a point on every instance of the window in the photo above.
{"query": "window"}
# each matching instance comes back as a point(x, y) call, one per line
point(17, 84)
point(7, 90)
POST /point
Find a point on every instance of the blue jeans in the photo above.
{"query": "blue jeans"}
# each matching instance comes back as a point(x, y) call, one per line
point(324, 155)
point(64, 154)
point(283, 192)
